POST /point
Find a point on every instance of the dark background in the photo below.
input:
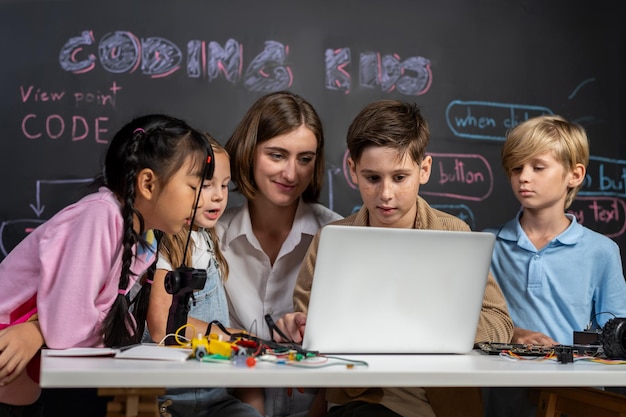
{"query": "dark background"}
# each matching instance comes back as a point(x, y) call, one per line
point(475, 68)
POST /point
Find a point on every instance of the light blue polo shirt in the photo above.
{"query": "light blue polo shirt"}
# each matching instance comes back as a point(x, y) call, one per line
point(559, 289)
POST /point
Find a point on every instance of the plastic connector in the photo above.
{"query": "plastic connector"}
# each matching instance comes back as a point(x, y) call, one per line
point(564, 354)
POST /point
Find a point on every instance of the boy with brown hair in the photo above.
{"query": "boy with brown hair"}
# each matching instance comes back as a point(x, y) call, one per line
point(387, 142)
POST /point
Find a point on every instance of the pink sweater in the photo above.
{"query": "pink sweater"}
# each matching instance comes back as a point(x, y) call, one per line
point(67, 270)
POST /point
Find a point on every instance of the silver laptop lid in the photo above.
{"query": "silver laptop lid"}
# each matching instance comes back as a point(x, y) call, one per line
point(389, 290)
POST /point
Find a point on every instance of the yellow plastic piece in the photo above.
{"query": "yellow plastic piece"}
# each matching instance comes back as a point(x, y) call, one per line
point(219, 347)
point(200, 346)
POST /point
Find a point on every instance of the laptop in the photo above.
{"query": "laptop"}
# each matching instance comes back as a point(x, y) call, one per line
point(397, 291)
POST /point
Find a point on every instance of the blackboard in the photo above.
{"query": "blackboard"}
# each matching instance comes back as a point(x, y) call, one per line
point(73, 72)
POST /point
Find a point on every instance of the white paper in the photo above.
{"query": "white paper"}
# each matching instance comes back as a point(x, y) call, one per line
point(81, 351)
point(148, 351)
point(154, 352)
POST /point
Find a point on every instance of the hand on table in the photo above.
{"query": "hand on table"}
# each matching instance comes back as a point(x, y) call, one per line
point(18, 345)
point(530, 337)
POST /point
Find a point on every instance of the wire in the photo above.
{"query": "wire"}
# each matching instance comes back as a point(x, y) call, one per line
point(554, 357)
point(596, 315)
point(183, 341)
point(219, 325)
point(274, 328)
point(353, 361)
point(254, 347)
point(312, 361)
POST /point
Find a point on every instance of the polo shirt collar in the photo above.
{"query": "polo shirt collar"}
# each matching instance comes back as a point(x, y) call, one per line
point(513, 231)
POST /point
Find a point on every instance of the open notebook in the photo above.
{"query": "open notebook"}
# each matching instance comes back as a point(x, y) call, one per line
point(388, 290)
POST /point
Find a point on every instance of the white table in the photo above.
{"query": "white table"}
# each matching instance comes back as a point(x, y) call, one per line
point(474, 369)
point(135, 384)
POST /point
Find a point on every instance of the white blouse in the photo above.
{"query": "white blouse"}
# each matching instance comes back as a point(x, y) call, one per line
point(254, 287)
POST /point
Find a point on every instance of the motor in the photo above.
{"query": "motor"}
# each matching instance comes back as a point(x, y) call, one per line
point(613, 338)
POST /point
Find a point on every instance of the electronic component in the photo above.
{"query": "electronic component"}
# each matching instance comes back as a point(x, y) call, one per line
point(515, 348)
point(587, 337)
point(613, 338)
point(564, 354)
point(538, 350)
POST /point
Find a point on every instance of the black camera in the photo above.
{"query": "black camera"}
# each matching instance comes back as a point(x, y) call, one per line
point(180, 283)
point(184, 280)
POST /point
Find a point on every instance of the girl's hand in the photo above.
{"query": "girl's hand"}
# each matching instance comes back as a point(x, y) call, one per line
point(18, 345)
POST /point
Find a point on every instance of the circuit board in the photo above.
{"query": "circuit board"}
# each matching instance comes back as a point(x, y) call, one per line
point(537, 350)
point(517, 349)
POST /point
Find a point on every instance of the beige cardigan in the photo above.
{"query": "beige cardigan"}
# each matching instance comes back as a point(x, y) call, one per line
point(494, 325)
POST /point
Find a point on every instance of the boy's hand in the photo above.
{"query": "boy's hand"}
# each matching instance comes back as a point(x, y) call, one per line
point(292, 325)
point(529, 337)
point(18, 345)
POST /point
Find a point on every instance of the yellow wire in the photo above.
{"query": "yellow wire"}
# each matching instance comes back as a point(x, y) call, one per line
point(177, 336)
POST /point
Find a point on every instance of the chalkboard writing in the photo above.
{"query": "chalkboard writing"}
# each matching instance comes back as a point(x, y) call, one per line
point(73, 72)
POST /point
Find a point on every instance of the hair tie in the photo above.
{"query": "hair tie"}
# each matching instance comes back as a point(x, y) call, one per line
point(149, 281)
point(121, 292)
point(138, 130)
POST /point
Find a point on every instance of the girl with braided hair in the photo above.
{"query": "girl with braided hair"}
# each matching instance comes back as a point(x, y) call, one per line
point(208, 304)
point(80, 264)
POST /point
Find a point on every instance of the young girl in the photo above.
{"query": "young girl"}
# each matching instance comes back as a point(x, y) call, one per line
point(65, 284)
point(209, 303)
point(277, 155)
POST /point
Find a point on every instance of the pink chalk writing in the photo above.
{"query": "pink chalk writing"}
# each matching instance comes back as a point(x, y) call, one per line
point(459, 176)
point(606, 215)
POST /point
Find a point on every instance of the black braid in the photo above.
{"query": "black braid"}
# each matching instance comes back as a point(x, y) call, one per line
point(140, 310)
point(117, 324)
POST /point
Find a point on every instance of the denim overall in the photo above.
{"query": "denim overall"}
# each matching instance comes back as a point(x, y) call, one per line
point(208, 304)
